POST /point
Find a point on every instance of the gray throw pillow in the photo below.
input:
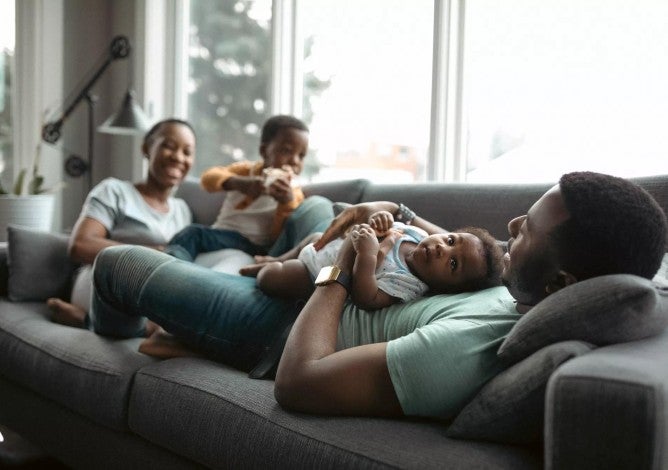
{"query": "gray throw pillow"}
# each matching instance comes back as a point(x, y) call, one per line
point(38, 265)
point(603, 310)
point(510, 407)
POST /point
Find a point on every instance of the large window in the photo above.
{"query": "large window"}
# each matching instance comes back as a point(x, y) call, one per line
point(402, 91)
point(565, 86)
point(229, 78)
point(6, 67)
point(370, 116)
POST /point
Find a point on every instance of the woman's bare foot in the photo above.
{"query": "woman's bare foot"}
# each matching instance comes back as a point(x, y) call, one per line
point(66, 313)
point(164, 345)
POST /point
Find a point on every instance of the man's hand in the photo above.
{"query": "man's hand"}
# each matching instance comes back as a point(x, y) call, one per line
point(345, 259)
point(357, 214)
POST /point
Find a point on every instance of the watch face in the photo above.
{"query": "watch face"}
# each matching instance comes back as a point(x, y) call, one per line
point(327, 275)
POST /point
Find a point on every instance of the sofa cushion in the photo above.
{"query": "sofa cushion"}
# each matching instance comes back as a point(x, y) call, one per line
point(603, 310)
point(75, 368)
point(38, 265)
point(219, 417)
point(510, 407)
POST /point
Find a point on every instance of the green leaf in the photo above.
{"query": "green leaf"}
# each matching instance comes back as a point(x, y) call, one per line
point(18, 185)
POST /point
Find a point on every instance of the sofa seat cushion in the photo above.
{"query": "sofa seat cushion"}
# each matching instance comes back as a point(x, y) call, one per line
point(76, 368)
point(220, 418)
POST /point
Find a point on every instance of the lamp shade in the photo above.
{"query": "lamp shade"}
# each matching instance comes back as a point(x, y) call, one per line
point(128, 120)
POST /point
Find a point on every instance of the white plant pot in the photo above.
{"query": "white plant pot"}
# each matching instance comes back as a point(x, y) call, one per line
point(27, 211)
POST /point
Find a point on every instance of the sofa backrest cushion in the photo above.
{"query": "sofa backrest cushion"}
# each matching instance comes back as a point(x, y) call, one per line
point(38, 265)
point(456, 205)
point(602, 310)
point(205, 206)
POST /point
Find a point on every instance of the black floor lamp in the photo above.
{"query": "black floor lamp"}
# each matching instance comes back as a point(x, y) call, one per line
point(128, 120)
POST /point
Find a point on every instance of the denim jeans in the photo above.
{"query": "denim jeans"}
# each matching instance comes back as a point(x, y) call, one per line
point(222, 315)
point(198, 238)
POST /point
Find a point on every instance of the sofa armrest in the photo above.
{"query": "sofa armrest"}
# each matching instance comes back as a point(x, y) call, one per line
point(609, 409)
point(4, 273)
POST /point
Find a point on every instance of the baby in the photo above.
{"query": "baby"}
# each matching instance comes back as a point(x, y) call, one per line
point(394, 262)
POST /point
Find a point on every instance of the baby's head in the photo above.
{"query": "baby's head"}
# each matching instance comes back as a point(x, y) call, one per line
point(284, 143)
point(468, 259)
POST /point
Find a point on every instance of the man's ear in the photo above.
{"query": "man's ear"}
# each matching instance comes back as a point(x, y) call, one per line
point(144, 149)
point(263, 150)
point(559, 281)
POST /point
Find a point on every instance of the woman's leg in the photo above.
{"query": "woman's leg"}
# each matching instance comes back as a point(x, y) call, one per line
point(222, 315)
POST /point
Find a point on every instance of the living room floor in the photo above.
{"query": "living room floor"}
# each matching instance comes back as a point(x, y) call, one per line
point(18, 454)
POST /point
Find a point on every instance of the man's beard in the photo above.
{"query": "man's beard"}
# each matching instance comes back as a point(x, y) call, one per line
point(527, 284)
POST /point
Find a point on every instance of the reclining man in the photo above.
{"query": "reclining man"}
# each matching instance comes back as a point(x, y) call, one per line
point(428, 360)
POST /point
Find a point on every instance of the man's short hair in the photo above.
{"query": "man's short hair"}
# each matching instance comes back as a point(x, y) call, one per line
point(615, 227)
point(274, 124)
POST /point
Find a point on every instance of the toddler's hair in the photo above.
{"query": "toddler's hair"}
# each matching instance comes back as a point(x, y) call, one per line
point(274, 124)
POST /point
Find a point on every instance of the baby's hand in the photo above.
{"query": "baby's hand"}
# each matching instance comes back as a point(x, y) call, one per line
point(381, 222)
point(364, 239)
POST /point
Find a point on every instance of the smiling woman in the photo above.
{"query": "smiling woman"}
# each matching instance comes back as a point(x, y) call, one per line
point(119, 212)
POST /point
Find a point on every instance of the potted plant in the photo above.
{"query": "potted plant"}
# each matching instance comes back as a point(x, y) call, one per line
point(28, 203)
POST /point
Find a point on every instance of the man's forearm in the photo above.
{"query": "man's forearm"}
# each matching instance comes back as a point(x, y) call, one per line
point(313, 337)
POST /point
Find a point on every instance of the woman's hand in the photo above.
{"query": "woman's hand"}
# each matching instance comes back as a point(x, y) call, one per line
point(357, 214)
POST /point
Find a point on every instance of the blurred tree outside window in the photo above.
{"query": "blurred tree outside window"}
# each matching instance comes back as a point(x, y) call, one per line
point(230, 60)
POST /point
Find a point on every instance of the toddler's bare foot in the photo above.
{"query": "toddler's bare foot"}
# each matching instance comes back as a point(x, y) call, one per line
point(164, 345)
point(251, 270)
point(66, 313)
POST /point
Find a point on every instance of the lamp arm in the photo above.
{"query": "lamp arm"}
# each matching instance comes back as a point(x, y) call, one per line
point(119, 49)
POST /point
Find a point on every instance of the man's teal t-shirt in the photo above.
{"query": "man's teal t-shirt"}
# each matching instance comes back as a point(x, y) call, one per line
point(441, 350)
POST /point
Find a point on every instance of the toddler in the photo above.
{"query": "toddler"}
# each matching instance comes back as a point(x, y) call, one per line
point(260, 195)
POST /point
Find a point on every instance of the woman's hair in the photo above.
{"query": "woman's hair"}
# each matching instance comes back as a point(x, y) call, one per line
point(156, 127)
point(615, 227)
point(493, 253)
point(274, 124)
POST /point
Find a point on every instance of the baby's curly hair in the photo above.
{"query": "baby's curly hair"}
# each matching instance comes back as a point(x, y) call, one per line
point(493, 253)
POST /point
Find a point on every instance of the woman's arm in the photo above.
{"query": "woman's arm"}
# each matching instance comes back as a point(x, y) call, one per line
point(88, 238)
point(313, 377)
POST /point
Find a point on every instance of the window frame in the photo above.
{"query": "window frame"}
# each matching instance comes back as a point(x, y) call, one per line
point(445, 159)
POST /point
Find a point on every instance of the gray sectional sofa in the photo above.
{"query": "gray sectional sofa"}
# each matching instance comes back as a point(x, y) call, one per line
point(95, 402)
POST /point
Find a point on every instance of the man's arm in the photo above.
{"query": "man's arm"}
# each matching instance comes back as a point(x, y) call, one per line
point(313, 377)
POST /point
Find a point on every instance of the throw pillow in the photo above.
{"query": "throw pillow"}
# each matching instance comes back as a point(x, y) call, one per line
point(603, 310)
point(38, 265)
point(510, 407)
